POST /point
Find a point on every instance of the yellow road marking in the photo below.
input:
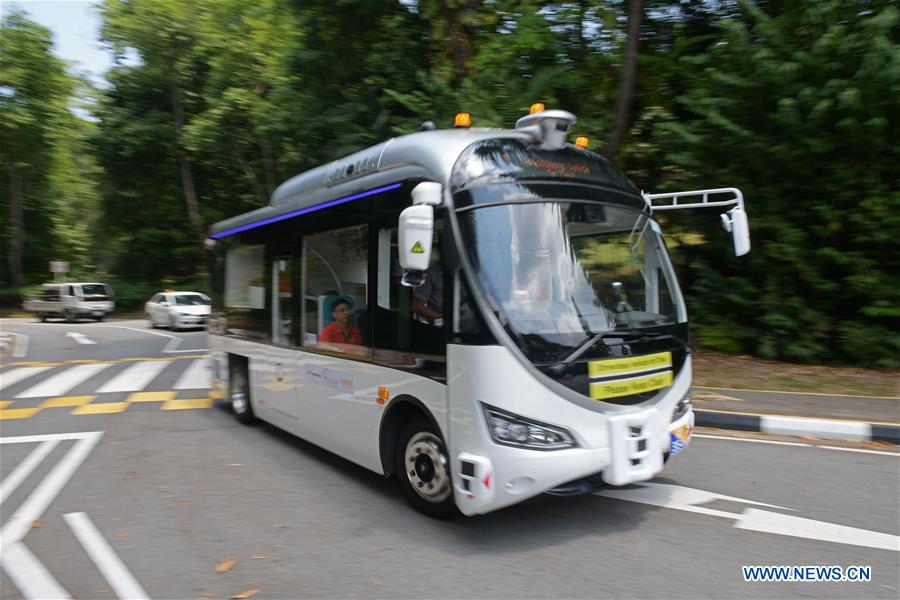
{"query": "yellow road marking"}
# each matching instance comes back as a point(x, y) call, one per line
point(216, 395)
point(100, 360)
point(101, 408)
point(63, 401)
point(151, 397)
point(710, 396)
point(187, 403)
point(706, 387)
point(5, 403)
point(17, 413)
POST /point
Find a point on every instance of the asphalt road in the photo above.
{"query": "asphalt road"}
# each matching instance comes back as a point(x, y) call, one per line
point(170, 487)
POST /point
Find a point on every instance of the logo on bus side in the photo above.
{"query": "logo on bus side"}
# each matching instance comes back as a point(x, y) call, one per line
point(364, 165)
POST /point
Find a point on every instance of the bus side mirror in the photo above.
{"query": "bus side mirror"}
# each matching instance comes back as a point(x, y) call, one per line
point(735, 222)
point(414, 234)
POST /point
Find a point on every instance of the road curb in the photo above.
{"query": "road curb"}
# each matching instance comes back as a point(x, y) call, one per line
point(784, 425)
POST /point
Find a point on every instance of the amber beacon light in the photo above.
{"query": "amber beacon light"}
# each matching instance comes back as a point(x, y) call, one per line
point(463, 119)
point(581, 141)
point(536, 108)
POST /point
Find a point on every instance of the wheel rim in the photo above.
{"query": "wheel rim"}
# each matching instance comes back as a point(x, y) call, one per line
point(238, 394)
point(425, 463)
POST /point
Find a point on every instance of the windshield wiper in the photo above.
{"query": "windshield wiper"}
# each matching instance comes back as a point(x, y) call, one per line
point(627, 336)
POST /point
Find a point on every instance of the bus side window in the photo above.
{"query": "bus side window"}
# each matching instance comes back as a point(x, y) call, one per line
point(335, 272)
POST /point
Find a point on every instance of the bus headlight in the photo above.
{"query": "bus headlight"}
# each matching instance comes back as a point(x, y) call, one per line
point(509, 429)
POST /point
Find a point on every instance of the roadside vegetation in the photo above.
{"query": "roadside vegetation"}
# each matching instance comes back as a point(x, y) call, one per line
point(212, 103)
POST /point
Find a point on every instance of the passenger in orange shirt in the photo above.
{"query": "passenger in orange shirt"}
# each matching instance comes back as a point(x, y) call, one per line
point(341, 331)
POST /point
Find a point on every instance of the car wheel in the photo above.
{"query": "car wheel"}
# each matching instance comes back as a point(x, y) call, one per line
point(42, 317)
point(150, 322)
point(70, 316)
point(239, 394)
point(423, 470)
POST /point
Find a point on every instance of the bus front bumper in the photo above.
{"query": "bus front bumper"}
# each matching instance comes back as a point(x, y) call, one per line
point(636, 453)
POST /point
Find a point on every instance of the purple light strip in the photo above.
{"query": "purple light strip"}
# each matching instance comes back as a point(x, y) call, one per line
point(303, 211)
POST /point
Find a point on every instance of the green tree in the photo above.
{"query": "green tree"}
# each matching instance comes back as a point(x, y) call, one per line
point(796, 105)
point(34, 90)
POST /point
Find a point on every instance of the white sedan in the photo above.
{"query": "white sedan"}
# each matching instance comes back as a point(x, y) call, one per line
point(178, 309)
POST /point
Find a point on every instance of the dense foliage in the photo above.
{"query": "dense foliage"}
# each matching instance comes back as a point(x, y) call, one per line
point(212, 103)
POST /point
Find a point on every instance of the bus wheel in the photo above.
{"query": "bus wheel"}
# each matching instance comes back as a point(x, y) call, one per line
point(42, 317)
point(239, 394)
point(423, 470)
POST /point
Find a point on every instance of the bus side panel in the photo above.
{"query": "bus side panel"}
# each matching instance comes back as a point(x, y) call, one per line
point(340, 408)
point(335, 400)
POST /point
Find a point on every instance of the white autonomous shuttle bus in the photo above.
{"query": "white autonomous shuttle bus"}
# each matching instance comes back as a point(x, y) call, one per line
point(487, 314)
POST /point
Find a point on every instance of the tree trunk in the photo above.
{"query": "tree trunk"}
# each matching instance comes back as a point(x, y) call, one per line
point(271, 170)
point(17, 226)
point(187, 174)
point(254, 180)
point(626, 83)
point(461, 36)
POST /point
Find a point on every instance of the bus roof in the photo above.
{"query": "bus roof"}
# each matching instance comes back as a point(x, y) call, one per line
point(428, 155)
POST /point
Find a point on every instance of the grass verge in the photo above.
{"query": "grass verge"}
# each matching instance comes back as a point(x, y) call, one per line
point(745, 372)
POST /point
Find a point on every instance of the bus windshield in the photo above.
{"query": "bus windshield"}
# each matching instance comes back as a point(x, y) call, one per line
point(557, 271)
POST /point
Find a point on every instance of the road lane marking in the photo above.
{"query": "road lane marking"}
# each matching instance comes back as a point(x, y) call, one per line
point(780, 443)
point(34, 506)
point(28, 574)
point(135, 377)
point(108, 562)
point(706, 387)
point(174, 342)
point(26, 571)
point(67, 401)
point(861, 450)
point(24, 468)
point(724, 437)
point(86, 405)
point(80, 337)
point(196, 377)
point(8, 378)
point(11, 366)
point(151, 397)
point(59, 384)
point(187, 403)
point(753, 519)
point(101, 408)
point(17, 413)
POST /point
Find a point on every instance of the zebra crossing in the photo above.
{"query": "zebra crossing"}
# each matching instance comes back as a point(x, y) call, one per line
point(103, 387)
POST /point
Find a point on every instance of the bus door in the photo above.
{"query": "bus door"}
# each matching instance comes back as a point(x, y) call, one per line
point(282, 383)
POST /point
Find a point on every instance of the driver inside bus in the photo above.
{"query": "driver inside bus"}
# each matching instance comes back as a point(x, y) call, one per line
point(341, 335)
point(428, 298)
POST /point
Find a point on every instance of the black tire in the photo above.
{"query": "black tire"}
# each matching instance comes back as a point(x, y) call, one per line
point(423, 470)
point(239, 394)
point(70, 316)
point(98, 319)
point(42, 317)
